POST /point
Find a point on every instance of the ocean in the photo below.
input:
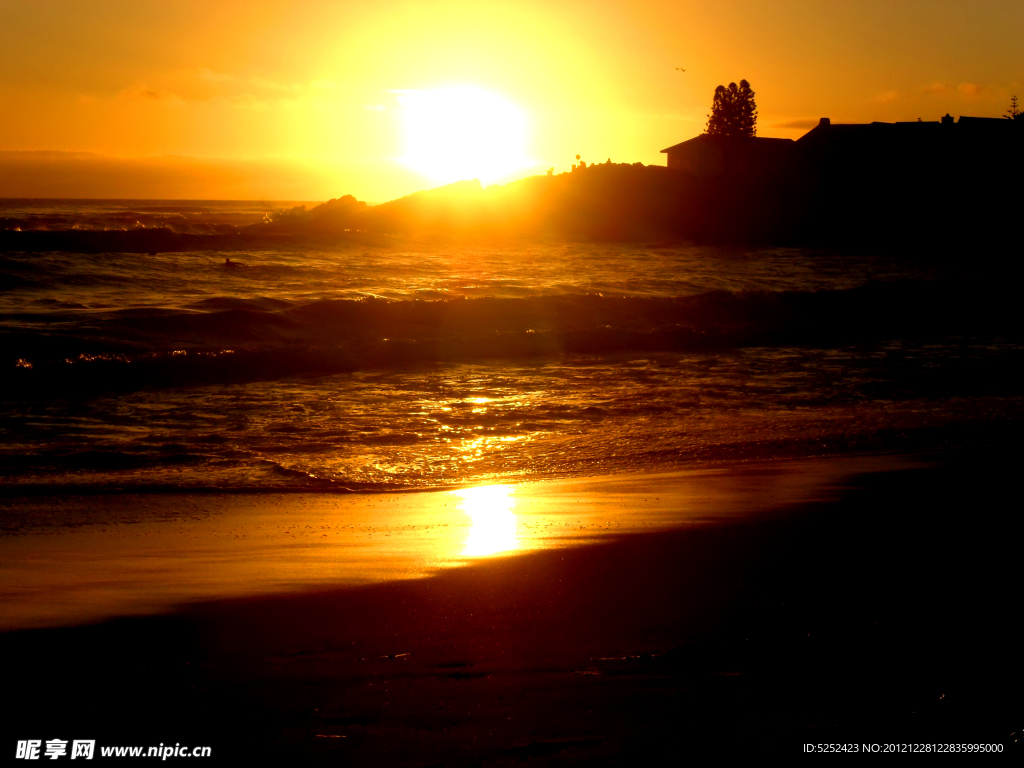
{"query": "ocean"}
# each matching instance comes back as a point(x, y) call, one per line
point(387, 364)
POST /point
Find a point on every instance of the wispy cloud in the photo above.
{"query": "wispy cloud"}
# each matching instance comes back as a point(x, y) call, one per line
point(192, 87)
point(215, 77)
point(270, 85)
point(969, 90)
point(203, 85)
point(145, 93)
point(247, 101)
point(886, 98)
point(804, 122)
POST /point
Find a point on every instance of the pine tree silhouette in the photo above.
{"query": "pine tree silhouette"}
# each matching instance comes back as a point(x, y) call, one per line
point(1013, 113)
point(733, 112)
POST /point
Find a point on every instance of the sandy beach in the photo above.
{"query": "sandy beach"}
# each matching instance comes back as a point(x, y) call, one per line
point(746, 608)
point(83, 559)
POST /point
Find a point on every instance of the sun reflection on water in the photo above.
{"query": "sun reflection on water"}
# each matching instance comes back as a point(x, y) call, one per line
point(492, 521)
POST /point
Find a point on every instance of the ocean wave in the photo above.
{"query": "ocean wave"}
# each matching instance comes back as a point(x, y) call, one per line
point(651, 453)
point(94, 460)
point(234, 340)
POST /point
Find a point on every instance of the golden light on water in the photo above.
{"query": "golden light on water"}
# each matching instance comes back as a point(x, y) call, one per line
point(493, 525)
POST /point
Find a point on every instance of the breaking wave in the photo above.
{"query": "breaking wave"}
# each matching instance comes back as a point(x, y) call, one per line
point(238, 340)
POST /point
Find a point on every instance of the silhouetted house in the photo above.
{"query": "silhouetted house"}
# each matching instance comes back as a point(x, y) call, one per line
point(886, 147)
point(897, 184)
point(972, 150)
point(706, 156)
point(909, 135)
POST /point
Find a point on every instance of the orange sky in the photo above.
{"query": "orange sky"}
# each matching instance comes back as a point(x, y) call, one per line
point(305, 100)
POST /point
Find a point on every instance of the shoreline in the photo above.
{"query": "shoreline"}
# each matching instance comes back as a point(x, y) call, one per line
point(107, 556)
point(884, 609)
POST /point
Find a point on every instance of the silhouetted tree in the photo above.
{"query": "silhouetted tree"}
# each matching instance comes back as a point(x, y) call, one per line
point(718, 120)
point(746, 111)
point(1013, 113)
point(733, 112)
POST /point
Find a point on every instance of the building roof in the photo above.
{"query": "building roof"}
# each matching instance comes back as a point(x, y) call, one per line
point(761, 140)
point(850, 130)
point(917, 127)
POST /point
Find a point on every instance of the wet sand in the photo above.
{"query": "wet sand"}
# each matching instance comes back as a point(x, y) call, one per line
point(99, 557)
point(749, 609)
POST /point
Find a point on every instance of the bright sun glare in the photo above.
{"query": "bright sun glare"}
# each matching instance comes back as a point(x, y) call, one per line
point(461, 132)
point(492, 521)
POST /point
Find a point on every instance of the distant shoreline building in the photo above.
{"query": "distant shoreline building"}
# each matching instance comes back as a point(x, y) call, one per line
point(707, 156)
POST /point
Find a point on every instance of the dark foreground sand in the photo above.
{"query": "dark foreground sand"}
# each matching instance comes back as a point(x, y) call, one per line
point(889, 615)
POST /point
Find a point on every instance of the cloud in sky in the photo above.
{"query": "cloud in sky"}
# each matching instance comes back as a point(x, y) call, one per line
point(85, 174)
point(886, 98)
point(195, 86)
point(215, 77)
point(804, 122)
point(965, 90)
point(145, 93)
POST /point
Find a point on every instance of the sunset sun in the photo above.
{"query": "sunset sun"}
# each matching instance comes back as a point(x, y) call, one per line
point(458, 133)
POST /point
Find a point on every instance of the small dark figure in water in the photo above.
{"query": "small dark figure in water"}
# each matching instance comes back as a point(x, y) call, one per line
point(229, 264)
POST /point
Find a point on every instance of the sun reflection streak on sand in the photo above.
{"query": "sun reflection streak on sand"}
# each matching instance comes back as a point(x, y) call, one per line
point(150, 553)
point(493, 524)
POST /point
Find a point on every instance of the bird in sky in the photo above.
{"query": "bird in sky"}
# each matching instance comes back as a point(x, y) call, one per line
point(680, 69)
